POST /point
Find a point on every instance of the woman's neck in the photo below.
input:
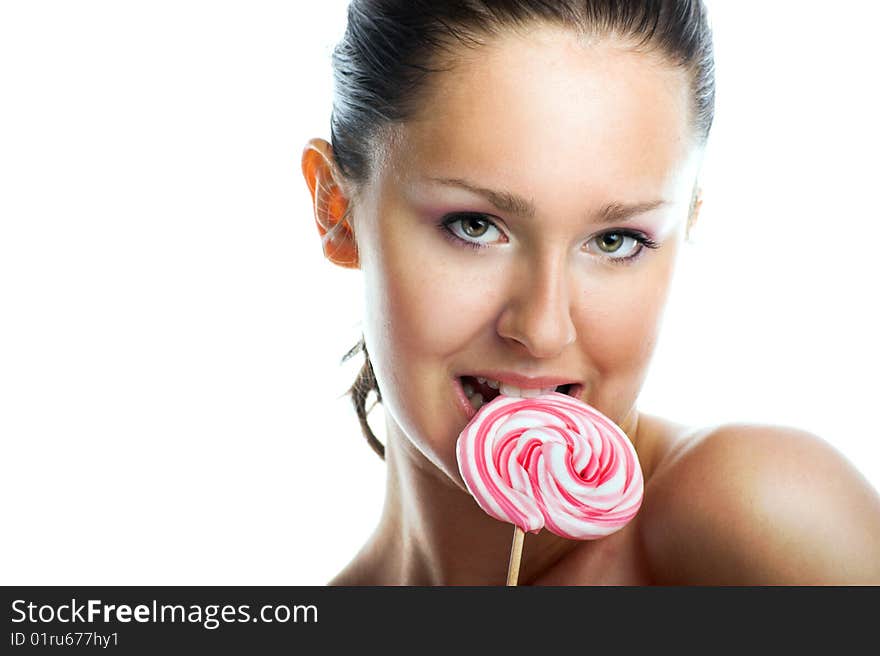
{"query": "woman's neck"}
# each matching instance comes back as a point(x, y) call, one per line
point(432, 532)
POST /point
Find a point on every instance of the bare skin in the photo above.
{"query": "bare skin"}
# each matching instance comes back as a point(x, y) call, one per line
point(577, 130)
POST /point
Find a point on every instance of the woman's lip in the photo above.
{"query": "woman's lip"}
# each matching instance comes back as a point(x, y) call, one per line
point(463, 401)
point(522, 382)
point(575, 391)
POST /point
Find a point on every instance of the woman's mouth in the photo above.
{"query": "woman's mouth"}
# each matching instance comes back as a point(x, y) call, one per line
point(480, 390)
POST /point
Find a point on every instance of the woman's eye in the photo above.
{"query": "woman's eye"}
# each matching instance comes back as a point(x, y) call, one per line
point(474, 229)
point(618, 245)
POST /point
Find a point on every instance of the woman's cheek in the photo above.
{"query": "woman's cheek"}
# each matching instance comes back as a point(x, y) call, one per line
point(619, 324)
point(420, 298)
point(438, 298)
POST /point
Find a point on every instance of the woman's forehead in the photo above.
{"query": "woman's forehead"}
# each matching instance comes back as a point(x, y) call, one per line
point(547, 107)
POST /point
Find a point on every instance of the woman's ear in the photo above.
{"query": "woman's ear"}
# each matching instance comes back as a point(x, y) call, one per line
point(330, 204)
point(693, 215)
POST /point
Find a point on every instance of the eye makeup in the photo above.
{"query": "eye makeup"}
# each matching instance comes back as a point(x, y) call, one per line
point(639, 239)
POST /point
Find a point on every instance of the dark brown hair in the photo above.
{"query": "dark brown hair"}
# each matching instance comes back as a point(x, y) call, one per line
point(391, 47)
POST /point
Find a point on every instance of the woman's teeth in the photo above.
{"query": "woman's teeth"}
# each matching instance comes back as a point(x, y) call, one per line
point(477, 400)
point(510, 390)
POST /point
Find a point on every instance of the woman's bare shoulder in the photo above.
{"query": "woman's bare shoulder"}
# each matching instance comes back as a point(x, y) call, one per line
point(751, 504)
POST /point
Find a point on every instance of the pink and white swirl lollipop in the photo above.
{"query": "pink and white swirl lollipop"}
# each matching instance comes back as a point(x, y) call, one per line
point(551, 461)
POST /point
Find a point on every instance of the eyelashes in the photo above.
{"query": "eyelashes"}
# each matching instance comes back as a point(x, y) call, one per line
point(460, 228)
point(464, 222)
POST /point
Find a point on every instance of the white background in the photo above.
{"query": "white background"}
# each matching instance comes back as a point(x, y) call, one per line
point(170, 335)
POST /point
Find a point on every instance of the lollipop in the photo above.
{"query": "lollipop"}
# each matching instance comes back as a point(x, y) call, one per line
point(550, 462)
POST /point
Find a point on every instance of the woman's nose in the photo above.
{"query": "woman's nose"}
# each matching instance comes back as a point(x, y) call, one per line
point(538, 312)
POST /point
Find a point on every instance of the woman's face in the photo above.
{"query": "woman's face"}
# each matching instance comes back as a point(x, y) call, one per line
point(502, 231)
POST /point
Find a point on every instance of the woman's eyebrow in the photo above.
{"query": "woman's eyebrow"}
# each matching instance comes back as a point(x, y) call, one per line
point(510, 203)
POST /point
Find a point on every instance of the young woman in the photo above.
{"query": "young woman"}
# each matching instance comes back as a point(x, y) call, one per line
point(514, 180)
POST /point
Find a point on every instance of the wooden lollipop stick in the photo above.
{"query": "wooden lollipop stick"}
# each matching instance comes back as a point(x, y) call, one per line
point(515, 556)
